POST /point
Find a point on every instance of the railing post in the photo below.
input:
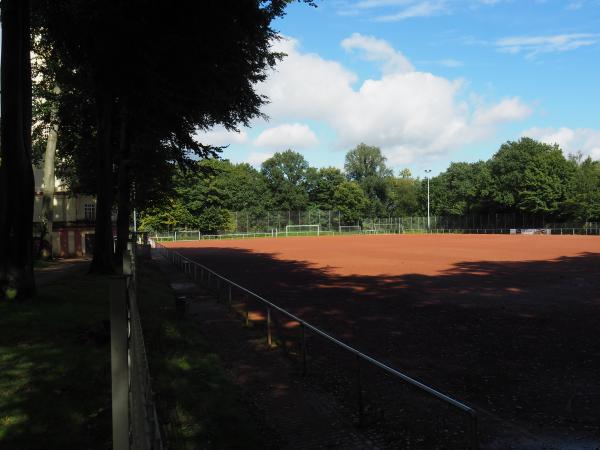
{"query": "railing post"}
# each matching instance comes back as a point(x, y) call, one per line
point(303, 349)
point(361, 408)
point(473, 432)
point(119, 366)
point(269, 337)
point(229, 295)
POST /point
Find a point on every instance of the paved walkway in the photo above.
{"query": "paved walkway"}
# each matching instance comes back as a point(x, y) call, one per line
point(303, 416)
point(60, 268)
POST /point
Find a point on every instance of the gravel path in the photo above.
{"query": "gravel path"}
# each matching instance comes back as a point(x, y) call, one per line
point(302, 416)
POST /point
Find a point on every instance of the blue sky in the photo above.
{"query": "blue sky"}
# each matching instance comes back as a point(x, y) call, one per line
point(429, 82)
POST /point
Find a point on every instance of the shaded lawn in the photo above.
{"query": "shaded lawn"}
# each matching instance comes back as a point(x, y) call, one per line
point(55, 390)
point(55, 367)
point(196, 400)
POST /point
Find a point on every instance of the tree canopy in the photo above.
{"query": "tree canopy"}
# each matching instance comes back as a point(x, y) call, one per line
point(146, 94)
point(130, 83)
point(523, 177)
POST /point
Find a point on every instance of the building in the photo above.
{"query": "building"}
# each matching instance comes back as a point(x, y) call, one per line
point(74, 219)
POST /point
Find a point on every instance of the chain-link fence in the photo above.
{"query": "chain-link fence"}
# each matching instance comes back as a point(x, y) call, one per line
point(271, 224)
point(376, 228)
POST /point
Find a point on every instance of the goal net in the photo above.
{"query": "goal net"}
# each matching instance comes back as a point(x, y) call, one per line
point(302, 229)
point(349, 229)
point(530, 231)
point(384, 228)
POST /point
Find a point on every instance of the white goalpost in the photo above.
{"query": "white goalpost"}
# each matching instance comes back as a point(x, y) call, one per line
point(298, 229)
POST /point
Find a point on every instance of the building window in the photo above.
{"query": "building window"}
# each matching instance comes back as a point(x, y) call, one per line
point(89, 211)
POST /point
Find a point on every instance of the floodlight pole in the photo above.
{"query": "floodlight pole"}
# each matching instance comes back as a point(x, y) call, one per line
point(427, 171)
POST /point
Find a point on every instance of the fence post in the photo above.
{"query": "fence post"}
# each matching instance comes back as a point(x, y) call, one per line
point(229, 295)
point(119, 367)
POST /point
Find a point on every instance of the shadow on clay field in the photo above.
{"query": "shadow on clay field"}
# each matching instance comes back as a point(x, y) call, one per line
point(516, 340)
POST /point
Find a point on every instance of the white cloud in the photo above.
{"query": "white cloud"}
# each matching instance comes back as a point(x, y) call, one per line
point(419, 9)
point(378, 50)
point(295, 136)
point(533, 45)
point(257, 158)
point(219, 136)
point(408, 114)
point(506, 111)
point(571, 140)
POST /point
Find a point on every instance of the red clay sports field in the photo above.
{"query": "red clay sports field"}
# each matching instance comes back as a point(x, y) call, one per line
point(507, 323)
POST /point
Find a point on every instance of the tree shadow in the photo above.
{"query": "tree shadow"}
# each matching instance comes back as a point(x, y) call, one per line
point(55, 369)
point(515, 339)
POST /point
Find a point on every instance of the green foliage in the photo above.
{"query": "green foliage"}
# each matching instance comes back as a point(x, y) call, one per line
point(322, 184)
point(350, 200)
point(286, 175)
point(522, 177)
point(462, 189)
point(404, 195)
point(583, 202)
point(365, 161)
point(213, 220)
point(242, 187)
point(133, 99)
point(171, 215)
point(530, 176)
point(366, 165)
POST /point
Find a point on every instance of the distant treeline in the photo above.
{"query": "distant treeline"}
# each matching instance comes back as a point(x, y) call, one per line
point(523, 177)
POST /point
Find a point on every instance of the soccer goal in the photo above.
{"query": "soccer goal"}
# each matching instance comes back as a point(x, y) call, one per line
point(302, 229)
point(349, 229)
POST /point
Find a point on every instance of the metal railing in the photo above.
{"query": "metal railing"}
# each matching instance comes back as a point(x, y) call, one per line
point(135, 419)
point(224, 289)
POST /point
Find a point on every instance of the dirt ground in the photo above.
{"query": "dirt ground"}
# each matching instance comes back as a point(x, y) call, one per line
point(508, 324)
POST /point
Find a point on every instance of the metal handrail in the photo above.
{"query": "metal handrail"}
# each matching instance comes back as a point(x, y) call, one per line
point(472, 414)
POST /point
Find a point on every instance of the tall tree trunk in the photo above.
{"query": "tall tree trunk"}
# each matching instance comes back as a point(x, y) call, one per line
point(16, 171)
point(102, 261)
point(49, 179)
point(123, 190)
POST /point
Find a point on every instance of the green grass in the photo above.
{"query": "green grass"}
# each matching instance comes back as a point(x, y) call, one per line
point(55, 372)
point(202, 408)
point(55, 367)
